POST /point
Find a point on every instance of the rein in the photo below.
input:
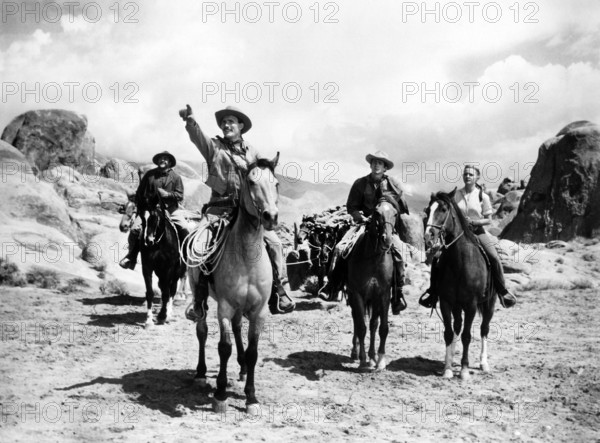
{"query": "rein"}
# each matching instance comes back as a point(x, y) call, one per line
point(443, 230)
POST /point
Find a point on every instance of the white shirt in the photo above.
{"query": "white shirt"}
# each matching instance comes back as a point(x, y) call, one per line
point(469, 203)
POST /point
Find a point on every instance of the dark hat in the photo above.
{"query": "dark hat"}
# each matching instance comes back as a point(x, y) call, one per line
point(380, 155)
point(230, 110)
point(168, 154)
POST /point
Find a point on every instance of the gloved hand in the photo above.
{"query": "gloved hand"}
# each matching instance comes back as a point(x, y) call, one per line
point(163, 193)
point(185, 113)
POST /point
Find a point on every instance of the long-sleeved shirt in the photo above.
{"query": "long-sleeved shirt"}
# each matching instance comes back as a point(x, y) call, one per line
point(147, 192)
point(224, 159)
point(363, 194)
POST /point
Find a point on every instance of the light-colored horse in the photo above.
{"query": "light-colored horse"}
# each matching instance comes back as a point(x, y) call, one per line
point(242, 281)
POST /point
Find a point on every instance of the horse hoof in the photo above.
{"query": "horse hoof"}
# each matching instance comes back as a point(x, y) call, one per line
point(354, 355)
point(220, 407)
point(364, 365)
point(253, 410)
point(464, 374)
point(448, 373)
point(242, 377)
point(149, 324)
point(372, 364)
point(485, 367)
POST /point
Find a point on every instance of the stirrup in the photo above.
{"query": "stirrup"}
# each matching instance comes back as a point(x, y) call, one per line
point(399, 304)
point(275, 304)
point(431, 302)
point(507, 300)
point(192, 315)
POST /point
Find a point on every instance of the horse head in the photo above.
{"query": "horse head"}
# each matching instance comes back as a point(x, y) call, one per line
point(383, 222)
point(443, 219)
point(260, 192)
point(155, 221)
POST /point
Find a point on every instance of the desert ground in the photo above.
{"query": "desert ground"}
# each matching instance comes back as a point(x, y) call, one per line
point(80, 366)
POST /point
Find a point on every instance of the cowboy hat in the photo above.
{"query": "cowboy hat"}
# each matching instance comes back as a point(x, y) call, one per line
point(167, 154)
point(242, 118)
point(380, 155)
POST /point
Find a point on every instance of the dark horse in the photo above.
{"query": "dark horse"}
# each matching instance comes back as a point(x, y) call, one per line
point(242, 282)
point(462, 276)
point(369, 282)
point(160, 255)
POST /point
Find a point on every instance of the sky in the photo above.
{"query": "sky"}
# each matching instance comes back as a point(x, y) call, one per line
point(436, 85)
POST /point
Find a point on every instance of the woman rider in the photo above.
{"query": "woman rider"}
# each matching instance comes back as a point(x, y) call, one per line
point(476, 207)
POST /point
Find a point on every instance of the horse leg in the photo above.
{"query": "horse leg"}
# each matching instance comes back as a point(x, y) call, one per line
point(354, 352)
point(373, 325)
point(236, 325)
point(220, 398)
point(147, 273)
point(383, 333)
point(360, 330)
point(487, 314)
point(466, 341)
point(254, 330)
point(201, 334)
point(165, 291)
point(449, 338)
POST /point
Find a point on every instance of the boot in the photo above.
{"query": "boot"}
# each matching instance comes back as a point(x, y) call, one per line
point(130, 259)
point(199, 307)
point(398, 301)
point(508, 299)
point(280, 302)
point(429, 298)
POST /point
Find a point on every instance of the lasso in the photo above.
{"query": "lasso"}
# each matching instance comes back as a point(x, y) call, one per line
point(207, 259)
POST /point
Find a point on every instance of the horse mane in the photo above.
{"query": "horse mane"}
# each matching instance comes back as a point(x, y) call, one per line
point(389, 199)
point(262, 163)
point(461, 218)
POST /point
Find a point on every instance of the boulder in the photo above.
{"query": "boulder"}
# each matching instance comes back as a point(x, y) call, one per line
point(26, 196)
point(561, 199)
point(51, 137)
point(412, 230)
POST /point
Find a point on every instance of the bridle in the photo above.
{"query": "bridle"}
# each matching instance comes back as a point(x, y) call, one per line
point(443, 229)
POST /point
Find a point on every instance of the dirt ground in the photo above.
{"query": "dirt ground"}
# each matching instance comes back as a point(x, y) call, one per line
point(81, 367)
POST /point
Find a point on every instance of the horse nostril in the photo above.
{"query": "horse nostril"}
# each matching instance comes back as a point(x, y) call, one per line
point(266, 216)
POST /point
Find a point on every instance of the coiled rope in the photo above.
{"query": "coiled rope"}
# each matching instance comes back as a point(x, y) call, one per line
point(206, 257)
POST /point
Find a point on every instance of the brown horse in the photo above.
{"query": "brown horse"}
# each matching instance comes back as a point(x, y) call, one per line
point(160, 255)
point(463, 278)
point(369, 282)
point(242, 281)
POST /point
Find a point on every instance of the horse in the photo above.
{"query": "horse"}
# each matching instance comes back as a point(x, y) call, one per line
point(129, 213)
point(463, 278)
point(369, 283)
point(160, 255)
point(242, 281)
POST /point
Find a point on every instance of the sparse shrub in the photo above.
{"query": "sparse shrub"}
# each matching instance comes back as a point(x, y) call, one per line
point(116, 287)
point(10, 274)
point(42, 278)
point(560, 260)
point(560, 270)
point(547, 284)
point(74, 285)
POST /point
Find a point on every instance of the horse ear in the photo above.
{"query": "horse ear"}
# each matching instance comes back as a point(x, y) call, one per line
point(275, 161)
point(451, 195)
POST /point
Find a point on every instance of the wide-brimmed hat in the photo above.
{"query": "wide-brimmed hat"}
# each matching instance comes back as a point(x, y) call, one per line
point(230, 110)
point(380, 155)
point(168, 154)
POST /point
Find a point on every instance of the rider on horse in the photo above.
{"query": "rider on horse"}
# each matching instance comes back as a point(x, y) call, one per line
point(475, 205)
point(160, 183)
point(225, 156)
point(362, 200)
